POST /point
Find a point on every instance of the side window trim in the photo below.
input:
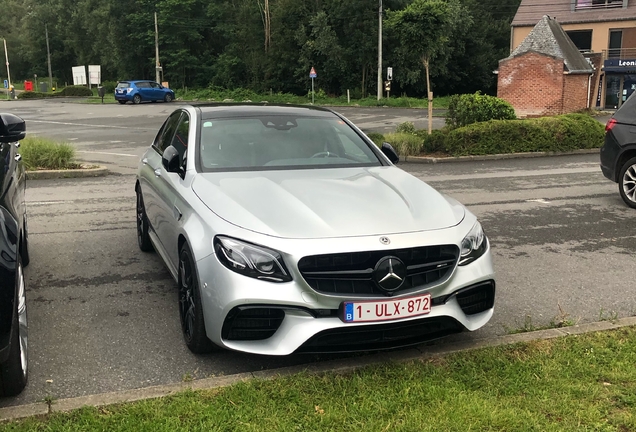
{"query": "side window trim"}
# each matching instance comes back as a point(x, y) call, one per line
point(167, 128)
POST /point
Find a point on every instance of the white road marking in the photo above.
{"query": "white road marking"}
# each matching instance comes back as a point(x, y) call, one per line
point(540, 200)
point(78, 124)
point(108, 153)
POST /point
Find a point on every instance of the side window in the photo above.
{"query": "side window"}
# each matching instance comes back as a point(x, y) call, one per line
point(169, 127)
point(154, 85)
point(180, 140)
point(143, 85)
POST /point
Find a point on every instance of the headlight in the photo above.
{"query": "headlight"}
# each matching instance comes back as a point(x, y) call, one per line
point(251, 260)
point(474, 245)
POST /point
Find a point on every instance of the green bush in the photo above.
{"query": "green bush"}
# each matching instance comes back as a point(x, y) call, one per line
point(405, 144)
point(377, 138)
point(406, 127)
point(109, 86)
point(41, 153)
point(435, 142)
point(472, 108)
point(75, 91)
point(548, 134)
point(33, 95)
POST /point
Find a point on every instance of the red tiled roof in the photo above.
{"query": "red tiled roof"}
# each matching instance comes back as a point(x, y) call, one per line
point(530, 12)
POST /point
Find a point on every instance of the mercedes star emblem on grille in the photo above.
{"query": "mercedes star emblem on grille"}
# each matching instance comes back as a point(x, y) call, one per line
point(385, 240)
point(389, 273)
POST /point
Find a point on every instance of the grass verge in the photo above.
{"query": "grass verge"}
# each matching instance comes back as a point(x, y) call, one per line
point(575, 383)
point(41, 153)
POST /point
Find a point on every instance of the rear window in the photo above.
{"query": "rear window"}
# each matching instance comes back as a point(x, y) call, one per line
point(123, 85)
point(277, 142)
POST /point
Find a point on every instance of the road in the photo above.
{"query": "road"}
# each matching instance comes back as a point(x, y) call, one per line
point(103, 316)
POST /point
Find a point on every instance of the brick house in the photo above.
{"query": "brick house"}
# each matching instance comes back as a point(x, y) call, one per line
point(546, 74)
point(603, 30)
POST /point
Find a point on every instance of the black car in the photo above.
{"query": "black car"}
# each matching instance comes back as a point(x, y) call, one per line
point(14, 255)
point(618, 154)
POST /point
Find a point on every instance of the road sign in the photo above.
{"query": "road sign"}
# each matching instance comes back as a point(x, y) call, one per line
point(6, 84)
point(389, 73)
point(387, 85)
point(312, 73)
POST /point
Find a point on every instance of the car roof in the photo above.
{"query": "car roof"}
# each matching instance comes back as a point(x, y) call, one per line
point(218, 110)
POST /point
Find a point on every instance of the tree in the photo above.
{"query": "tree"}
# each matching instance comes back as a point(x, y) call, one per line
point(424, 29)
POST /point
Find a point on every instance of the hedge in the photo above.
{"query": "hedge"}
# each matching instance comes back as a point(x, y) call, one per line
point(75, 91)
point(473, 108)
point(67, 91)
point(546, 134)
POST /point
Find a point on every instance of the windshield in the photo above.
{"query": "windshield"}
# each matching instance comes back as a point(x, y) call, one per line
point(274, 142)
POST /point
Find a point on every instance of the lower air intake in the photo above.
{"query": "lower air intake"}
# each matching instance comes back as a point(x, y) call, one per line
point(252, 323)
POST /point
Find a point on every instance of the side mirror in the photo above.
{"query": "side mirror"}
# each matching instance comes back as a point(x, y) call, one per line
point(170, 160)
point(390, 152)
point(12, 128)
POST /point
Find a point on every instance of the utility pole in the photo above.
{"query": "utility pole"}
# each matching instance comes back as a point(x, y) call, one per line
point(157, 65)
point(48, 56)
point(6, 56)
point(380, 51)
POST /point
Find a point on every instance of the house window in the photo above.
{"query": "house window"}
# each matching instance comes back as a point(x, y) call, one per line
point(597, 4)
point(582, 39)
point(615, 44)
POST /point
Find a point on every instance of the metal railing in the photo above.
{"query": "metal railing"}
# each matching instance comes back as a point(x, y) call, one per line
point(624, 53)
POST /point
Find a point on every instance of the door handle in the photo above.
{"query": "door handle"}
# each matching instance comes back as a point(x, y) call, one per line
point(177, 213)
point(144, 161)
point(17, 145)
point(18, 157)
point(157, 172)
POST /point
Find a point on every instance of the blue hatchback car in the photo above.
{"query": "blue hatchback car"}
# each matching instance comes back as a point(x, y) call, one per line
point(142, 90)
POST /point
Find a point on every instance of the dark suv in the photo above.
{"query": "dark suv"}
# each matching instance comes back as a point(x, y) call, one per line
point(618, 154)
point(14, 255)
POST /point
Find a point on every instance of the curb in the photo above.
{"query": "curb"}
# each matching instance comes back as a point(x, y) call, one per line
point(337, 366)
point(98, 171)
point(433, 160)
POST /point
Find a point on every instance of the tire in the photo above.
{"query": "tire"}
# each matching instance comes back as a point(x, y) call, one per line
point(14, 371)
point(143, 227)
point(168, 98)
point(122, 102)
point(190, 310)
point(136, 99)
point(24, 249)
point(627, 182)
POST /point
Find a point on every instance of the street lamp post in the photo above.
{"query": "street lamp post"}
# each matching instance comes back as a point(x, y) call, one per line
point(380, 51)
point(6, 56)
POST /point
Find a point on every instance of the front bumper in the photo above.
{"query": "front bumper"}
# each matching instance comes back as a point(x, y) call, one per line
point(310, 320)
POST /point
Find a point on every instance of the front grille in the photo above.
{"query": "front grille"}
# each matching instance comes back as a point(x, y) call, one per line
point(352, 273)
point(477, 298)
point(381, 336)
point(252, 323)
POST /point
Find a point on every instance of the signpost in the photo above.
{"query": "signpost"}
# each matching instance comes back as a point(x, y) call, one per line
point(387, 83)
point(313, 75)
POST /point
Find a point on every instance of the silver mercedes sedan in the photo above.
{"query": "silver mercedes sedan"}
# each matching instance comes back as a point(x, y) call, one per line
point(287, 230)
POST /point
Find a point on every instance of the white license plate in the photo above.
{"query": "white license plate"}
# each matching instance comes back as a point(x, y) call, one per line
point(385, 310)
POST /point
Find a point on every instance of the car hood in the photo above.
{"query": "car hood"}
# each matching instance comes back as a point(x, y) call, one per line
point(324, 203)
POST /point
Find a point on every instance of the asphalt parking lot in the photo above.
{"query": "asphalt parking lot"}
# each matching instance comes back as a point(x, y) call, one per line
point(103, 316)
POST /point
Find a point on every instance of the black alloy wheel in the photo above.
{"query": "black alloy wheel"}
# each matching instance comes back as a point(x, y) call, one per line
point(190, 310)
point(136, 99)
point(168, 98)
point(627, 182)
point(143, 228)
point(14, 371)
point(123, 102)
